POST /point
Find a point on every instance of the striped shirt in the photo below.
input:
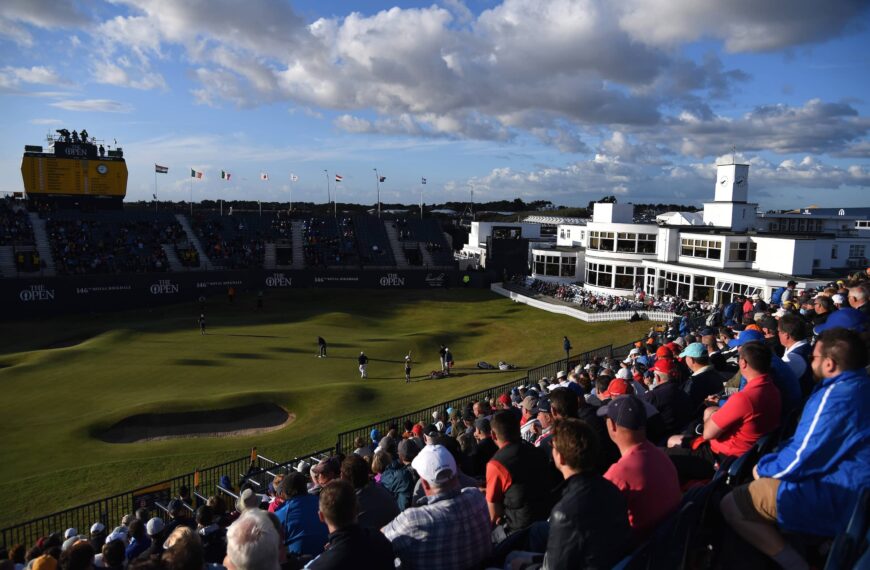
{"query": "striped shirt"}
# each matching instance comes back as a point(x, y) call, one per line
point(451, 531)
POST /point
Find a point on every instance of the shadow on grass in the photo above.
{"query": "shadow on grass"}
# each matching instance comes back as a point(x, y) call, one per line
point(246, 355)
point(196, 362)
point(247, 335)
point(290, 350)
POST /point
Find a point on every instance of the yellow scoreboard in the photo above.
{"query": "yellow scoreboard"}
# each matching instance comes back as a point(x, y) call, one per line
point(53, 174)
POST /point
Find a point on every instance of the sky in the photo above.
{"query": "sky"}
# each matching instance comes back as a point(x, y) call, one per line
point(566, 101)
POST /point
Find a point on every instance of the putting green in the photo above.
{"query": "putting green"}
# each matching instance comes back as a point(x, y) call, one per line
point(65, 380)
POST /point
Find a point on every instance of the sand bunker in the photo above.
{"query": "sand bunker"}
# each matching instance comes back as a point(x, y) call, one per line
point(245, 420)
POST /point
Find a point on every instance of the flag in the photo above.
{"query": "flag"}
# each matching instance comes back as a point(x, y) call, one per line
point(293, 178)
point(338, 177)
point(264, 176)
point(382, 178)
point(154, 196)
point(196, 478)
point(161, 169)
point(225, 175)
point(195, 173)
point(422, 181)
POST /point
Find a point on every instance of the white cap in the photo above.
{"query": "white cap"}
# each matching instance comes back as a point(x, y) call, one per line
point(679, 340)
point(435, 464)
point(560, 374)
point(155, 526)
point(70, 532)
point(97, 527)
point(838, 299)
point(624, 374)
point(247, 500)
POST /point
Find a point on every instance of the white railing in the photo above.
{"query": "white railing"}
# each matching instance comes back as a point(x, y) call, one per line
point(577, 313)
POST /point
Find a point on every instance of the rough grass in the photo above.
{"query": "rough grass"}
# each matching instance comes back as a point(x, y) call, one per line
point(65, 379)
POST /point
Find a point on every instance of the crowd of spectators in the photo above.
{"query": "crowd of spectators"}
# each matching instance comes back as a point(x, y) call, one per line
point(601, 302)
point(230, 242)
point(329, 242)
point(85, 246)
point(576, 471)
point(15, 226)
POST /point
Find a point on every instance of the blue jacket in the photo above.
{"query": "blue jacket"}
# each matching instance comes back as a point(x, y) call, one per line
point(303, 531)
point(825, 465)
point(399, 480)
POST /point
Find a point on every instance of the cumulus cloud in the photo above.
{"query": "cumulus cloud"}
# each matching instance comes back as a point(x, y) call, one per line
point(17, 15)
point(111, 73)
point(95, 105)
point(744, 25)
point(12, 77)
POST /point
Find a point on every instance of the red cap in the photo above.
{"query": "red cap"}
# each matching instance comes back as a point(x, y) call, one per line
point(665, 366)
point(505, 399)
point(417, 430)
point(664, 352)
point(617, 387)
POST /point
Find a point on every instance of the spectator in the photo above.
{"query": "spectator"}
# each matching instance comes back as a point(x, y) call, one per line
point(377, 506)
point(793, 336)
point(139, 539)
point(732, 430)
point(349, 542)
point(98, 536)
point(589, 525)
point(212, 535)
point(80, 556)
point(823, 306)
point(811, 484)
point(326, 470)
point(858, 299)
point(451, 529)
point(485, 448)
point(668, 398)
point(177, 516)
point(154, 529)
point(644, 474)
point(705, 380)
point(112, 554)
point(515, 493)
point(253, 542)
point(398, 478)
point(304, 534)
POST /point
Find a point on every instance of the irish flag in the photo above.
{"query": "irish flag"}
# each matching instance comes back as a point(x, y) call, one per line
point(338, 177)
point(195, 173)
point(225, 175)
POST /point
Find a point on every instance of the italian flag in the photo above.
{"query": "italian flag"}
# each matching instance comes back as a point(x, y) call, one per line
point(225, 175)
point(195, 173)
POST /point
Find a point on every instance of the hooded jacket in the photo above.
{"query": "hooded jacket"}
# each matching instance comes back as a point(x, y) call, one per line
point(824, 466)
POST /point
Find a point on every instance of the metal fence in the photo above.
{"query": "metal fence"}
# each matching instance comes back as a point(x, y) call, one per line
point(346, 440)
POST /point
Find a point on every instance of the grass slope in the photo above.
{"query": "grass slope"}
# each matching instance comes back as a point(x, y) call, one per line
point(65, 379)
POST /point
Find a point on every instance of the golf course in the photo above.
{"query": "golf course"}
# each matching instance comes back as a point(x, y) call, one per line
point(67, 380)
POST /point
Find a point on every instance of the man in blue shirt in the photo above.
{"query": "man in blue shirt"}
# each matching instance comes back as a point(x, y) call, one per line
point(811, 484)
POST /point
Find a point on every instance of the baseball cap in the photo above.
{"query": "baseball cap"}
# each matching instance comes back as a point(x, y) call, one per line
point(529, 403)
point(561, 374)
point(70, 532)
point(544, 405)
point(626, 411)
point(505, 399)
point(748, 335)
point(247, 500)
point(435, 464)
point(838, 299)
point(617, 387)
point(680, 342)
point(642, 361)
point(482, 424)
point(709, 331)
point(120, 533)
point(97, 527)
point(155, 526)
point(44, 562)
point(664, 352)
point(847, 318)
point(417, 430)
point(375, 435)
point(695, 350)
point(624, 373)
point(664, 366)
point(408, 449)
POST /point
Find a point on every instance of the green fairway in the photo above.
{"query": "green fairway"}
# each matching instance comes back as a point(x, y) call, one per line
point(65, 379)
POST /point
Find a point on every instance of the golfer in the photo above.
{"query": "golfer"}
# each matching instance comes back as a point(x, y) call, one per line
point(408, 369)
point(202, 323)
point(363, 362)
point(321, 345)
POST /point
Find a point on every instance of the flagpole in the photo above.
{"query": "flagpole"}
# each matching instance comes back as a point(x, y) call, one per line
point(328, 196)
point(335, 202)
point(378, 182)
point(191, 198)
point(155, 189)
